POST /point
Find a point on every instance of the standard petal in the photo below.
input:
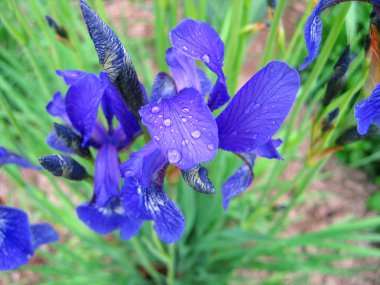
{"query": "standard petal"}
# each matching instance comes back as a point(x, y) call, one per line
point(82, 104)
point(163, 87)
point(240, 180)
point(106, 177)
point(269, 149)
point(15, 238)
point(42, 233)
point(102, 220)
point(367, 112)
point(8, 157)
point(219, 95)
point(129, 228)
point(71, 76)
point(56, 107)
point(143, 164)
point(259, 108)
point(183, 70)
point(183, 128)
point(151, 203)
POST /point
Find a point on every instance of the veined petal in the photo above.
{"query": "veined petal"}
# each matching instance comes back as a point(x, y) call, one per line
point(269, 149)
point(183, 128)
point(163, 87)
point(219, 95)
point(115, 59)
point(205, 81)
point(183, 70)
point(8, 157)
point(240, 180)
point(367, 112)
point(42, 233)
point(57, 108)
point(102, 219)
point(143, 164)
point(129, 227)
point(259, 108)
point(82, 103)
point(106, 178)
point(71, 76)
point(151, 203)
point(15, 238)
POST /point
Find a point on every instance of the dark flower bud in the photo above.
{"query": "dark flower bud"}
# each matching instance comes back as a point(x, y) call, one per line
point(351, 135)
point(197, 178)
point(59, 30)
point(272, 4)
point(72, 140)
point(63, 166)
point(115, 60)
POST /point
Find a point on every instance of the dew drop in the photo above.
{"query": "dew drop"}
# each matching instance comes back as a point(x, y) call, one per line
point(129, 172)
point(184, 120)
point(254, 136)
point(206, 58)
point(185, 142)
point(256, 106)
point(185, 110)
point(185, 48)
point(173, 155)
point(273, 122)
point(196, 134)
point(155, 109)
point(210, 146)
point(156, 138)
point(167, 122)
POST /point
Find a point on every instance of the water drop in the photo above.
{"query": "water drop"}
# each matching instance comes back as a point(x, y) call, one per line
point(184, 48)
point(167, 122)
point(254, 136)
point(173, 155)
point(155, 109)
point(206, 58)
point(196, 134)
point(273, 122)
point(210, 146)
point(184, 120)
point(129, 172)
point(156, 138)
point(256, 106)
point(185, 142)
point(185, 110)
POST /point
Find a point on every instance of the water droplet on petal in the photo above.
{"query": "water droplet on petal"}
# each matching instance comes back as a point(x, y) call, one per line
point(129, 172)
point(156, 138)
point(184, 48)
point(206, 58)
point(184, 120)
point(256, 106)
point(196, 134)
point(185, 110)
point(185, 142)
point(273, 122)
point(210, 146)
point(167, 122)
point(155, 109)
point(254, 136)
point(173, 155)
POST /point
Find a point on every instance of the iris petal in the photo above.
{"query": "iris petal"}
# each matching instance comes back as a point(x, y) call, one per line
point(55, 142)
point(8, 157)
point(183, 128)
point(259, 108)
point(56, 107)
point(163, 87)
point(71, 76)
point(42, 233)
point(269, 149)
point(240, 180)
point(15, 238)
point(367, 112)
point(82, 103)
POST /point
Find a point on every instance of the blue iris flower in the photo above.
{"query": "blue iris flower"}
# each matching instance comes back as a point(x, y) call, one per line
point(8, 157)
point(79, 109)
point(19, 239)
point(366, 112)
point(180, 122)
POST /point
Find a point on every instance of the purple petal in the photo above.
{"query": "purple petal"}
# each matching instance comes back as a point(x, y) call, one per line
point(259, 108)
point(43, 233)
point(163, 87)
point(15, 238)
point(102, 220)
point(99, 136)
point(71, 76)
point(129, 228)
point(183, 128)
point(143, 164)
point(200, 41)
point(107, 178)
point(183, 70)
point(219, 96)
point(205, 81)
point(151, 203)
point(57, 108)
point(367, 112)
point(55, 142)
point(240, 180)
point(82, 103)
point(269, 149)
point(8, 157)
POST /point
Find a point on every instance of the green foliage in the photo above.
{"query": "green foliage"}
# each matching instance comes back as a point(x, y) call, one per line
point(215, 243)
